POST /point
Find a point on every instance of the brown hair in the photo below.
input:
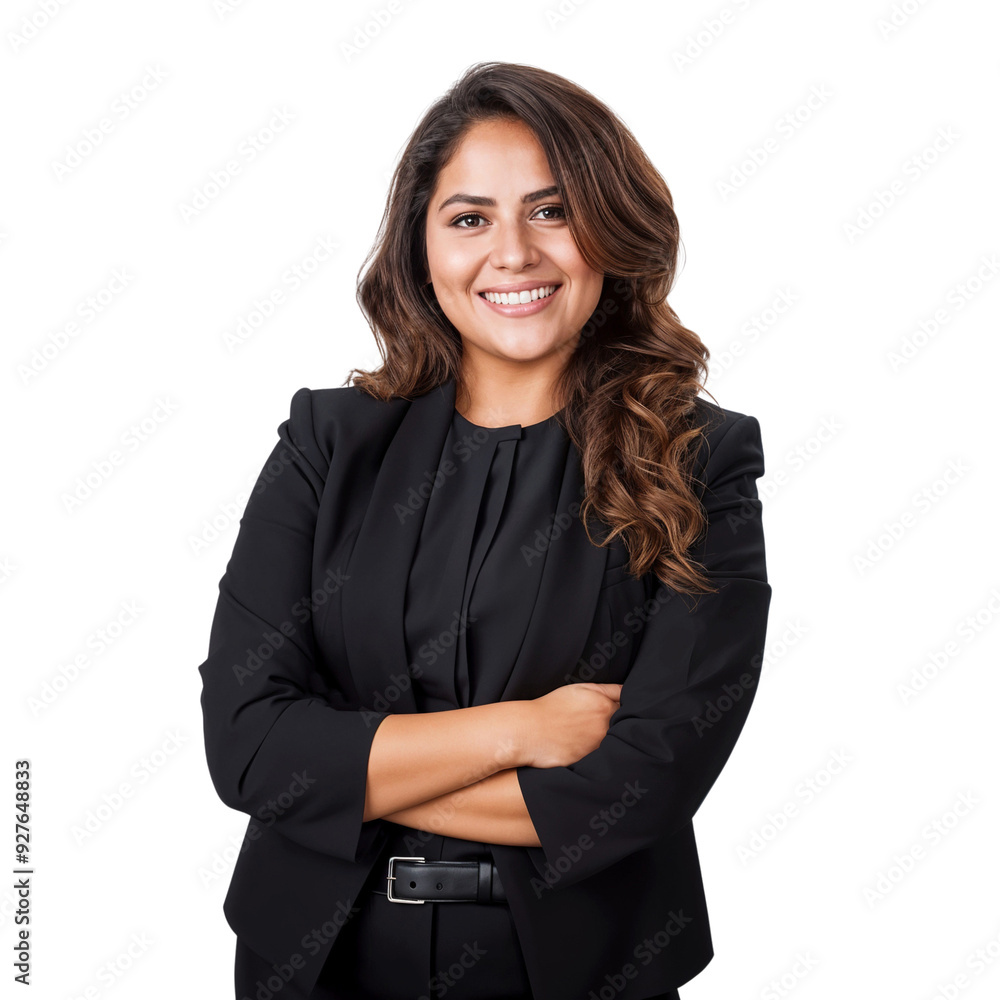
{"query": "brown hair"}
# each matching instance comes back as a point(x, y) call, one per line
point(631, 382)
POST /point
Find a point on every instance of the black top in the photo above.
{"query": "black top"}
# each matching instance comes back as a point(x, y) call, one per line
point(479, 558)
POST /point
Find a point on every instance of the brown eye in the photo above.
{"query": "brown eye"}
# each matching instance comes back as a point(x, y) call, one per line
point(553, 208)
point(468, 215)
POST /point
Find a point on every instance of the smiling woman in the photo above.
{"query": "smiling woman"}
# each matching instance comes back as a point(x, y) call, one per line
point(507, 711)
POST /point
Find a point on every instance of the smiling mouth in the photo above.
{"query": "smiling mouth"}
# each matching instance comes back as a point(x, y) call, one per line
point(519, 298)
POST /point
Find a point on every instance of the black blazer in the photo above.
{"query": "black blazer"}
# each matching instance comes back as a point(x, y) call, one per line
point(307, 656)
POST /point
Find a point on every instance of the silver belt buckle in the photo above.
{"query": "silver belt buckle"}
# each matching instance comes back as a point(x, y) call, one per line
point(390, 878)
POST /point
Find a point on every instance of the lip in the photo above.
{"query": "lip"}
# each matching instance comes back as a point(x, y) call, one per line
point(522, 308)
point(521, 286)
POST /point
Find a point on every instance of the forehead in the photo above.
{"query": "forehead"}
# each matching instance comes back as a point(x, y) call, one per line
point(494, 152)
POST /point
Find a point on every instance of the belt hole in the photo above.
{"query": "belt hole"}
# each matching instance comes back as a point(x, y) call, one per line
point(440, 886)
point(413, 885)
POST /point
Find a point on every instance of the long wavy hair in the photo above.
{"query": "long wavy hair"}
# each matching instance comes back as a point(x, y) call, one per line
point(631, 382)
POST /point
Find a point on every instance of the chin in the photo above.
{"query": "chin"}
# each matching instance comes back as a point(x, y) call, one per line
point(533, 351)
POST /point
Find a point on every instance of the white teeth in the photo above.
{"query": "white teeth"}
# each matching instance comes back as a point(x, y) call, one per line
point(516, 298)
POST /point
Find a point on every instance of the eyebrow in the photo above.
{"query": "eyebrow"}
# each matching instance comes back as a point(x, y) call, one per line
point(478, 199)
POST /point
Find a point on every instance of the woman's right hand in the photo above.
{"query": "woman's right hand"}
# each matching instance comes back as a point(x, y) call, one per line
point(567, 723)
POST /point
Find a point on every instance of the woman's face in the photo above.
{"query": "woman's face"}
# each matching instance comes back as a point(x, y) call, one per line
point(496, 222)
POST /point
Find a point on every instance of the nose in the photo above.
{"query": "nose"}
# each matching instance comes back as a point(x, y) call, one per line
point(513, 246)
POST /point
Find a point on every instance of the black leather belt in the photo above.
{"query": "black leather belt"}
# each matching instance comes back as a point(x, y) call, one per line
point(414, 880)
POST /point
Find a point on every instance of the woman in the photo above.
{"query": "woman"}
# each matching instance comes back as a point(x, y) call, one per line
point(495, 614)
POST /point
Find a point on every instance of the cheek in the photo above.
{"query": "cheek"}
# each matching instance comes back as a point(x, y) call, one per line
point(442, 260)
point(451, 262)
point(590, 286)
point(589, 281)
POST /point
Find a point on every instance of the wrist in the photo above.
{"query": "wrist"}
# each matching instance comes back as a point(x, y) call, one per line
point(513, 733)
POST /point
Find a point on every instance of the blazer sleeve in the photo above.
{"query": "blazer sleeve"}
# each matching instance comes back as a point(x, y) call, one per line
point(275, 749)
point(684, 700)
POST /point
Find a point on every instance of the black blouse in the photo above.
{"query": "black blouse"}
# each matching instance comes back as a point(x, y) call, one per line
point(478, 562)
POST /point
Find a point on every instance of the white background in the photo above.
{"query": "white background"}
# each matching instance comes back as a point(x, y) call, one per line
point(817, 904)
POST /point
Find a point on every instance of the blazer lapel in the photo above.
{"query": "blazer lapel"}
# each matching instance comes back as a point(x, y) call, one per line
point(379, 566)
point(375, 588)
